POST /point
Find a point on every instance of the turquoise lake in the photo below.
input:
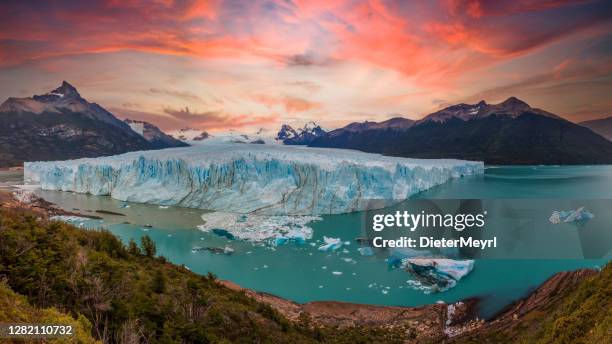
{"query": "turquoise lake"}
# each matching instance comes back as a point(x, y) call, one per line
point(303, 273)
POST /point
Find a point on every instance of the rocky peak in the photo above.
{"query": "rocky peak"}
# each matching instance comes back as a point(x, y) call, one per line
point(286, 132)
point(63, 92)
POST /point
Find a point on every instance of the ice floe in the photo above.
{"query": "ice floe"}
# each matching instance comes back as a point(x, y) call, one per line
point(259, 228)
point(578, 216)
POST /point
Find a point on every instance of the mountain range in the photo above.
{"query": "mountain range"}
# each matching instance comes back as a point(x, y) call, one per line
point(62, 125)
point(301, 136)
point(601, 126)
point(511, 132)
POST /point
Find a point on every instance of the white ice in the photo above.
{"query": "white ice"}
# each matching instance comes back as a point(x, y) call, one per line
point(260, 228)
point(579, 215)
point(250, 178)
point(331, 244)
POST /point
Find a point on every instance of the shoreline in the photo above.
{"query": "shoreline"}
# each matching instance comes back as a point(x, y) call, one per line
point(430, 322)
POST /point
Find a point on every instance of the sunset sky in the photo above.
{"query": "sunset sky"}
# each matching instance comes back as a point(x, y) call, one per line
point(218, 65)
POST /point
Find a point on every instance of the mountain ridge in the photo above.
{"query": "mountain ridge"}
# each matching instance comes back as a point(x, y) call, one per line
point(60, 125)
point(602, 126)
point(510, 132)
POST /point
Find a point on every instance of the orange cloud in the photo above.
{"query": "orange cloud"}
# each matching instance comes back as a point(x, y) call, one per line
point(290, 104)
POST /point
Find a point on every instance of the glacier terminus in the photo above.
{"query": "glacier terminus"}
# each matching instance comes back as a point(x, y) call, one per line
point(250, 178)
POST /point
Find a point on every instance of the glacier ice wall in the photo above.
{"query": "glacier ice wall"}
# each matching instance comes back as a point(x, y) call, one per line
point(259, 179)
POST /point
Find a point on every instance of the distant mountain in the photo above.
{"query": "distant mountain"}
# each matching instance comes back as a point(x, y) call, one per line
point(510, 108)
point(510, 132)
point(61, 125)
point(157, 138)
point(361, 135)
point(190, 134)
point(301, 136)
point(601, 126)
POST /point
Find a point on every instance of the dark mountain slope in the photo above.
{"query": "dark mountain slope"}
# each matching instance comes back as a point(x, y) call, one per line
point(527, 139)
point(601, 126)
point(154, 135)
point(507, 133)
point(62, 125)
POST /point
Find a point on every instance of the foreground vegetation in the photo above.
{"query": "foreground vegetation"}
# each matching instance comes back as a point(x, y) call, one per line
point(127, 295)
point(581, 315)
point(115, 293)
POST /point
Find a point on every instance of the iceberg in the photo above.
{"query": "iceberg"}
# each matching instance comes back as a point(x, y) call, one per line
point(578, 216)
point(244, 178)
point(259, 228)
point(331, 244)
point(439, 273)
point(366, 251)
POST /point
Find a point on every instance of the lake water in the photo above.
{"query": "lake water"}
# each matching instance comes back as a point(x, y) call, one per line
point(303, 273)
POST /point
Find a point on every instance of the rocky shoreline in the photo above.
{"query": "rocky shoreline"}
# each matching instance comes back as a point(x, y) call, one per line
point(429, 323)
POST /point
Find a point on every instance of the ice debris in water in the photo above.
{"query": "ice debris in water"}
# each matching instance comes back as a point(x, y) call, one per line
point(439, 274)
point(242, 178)
point(366, 251)
point(331, 244)
point(259, 228)
point(296, 236)
point(578, 216)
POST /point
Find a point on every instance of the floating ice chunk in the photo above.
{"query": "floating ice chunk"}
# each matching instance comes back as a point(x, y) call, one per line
point(293, 235)
point(164, 207)
point(366, 251)
point(337, 273)
point(578, 216)
point(331, 244)
point(228, 250)
point(349, 260)
point(261, 179)
point(259, 228)
point(439, 273)
point(384, 291)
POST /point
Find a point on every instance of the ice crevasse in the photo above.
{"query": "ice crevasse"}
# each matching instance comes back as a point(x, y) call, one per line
point(258, 179)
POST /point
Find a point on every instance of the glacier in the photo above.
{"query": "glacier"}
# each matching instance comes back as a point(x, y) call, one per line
point(248, 178)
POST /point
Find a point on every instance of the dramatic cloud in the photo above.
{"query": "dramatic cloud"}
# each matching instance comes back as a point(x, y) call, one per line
point(334, 61)
point(217, 120)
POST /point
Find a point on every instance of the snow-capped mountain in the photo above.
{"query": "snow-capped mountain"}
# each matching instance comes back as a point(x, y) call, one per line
point(261, 136)
point(63, 100)
point(511, 107)
point(61, 125)
point(286, 132)
point(190, 134)
point(153, 134)
point(301, 136)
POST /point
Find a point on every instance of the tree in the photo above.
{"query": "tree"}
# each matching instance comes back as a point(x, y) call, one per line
point(133, 249)
point(148, 246)
point(159, 282)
